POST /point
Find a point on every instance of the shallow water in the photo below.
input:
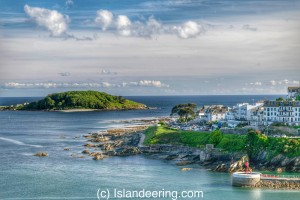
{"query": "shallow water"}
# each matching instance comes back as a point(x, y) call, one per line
point(60, 176)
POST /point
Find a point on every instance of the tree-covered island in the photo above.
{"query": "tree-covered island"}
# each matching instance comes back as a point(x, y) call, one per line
point(80, 100)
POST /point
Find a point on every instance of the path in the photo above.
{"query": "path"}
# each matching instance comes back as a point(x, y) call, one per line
point(141, 140)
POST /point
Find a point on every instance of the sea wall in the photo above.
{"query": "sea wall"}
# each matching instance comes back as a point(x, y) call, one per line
point(279, 183)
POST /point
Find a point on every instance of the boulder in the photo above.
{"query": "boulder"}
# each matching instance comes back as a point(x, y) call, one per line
point(41, 154)
point(98, 156)
point(186, 169)
point(85, 151)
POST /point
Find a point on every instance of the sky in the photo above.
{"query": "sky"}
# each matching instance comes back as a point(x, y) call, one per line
point(149, 47)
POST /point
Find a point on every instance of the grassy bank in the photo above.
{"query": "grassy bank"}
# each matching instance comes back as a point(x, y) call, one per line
point(252, 143)
point(164, 135)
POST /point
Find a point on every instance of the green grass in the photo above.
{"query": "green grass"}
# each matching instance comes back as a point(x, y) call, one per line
point(226, 142)
point(164, 135)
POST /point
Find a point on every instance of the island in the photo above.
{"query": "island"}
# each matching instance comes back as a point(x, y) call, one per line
point(79, 101)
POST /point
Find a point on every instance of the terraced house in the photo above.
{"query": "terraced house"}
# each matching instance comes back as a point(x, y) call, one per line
point(287, 111)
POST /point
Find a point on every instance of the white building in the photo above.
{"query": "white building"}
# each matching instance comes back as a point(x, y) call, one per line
point(257, 116)
point(213, 113)
point(244, 111)
point(293, 91)
point(282, 111)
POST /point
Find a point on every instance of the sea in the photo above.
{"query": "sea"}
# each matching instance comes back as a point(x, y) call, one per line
point(61, 176)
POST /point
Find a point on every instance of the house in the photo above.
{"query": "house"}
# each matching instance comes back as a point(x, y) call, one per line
point(287, 111)
point(244, 110)
point(293, 91)
point(213, 113)
point(257, 116)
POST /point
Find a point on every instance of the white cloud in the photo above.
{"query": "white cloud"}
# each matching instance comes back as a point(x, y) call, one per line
point(104, 18)
point(148, 83)
point(273, 83)
point(189, 29)
point(145, 28)
point(123, 25)
point(52, 20)
point(47, 85)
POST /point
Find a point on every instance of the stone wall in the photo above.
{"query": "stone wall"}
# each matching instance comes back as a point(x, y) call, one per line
point(278, 184)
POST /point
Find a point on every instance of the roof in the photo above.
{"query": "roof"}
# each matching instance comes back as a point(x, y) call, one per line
point(281, 103)
point(294, 89)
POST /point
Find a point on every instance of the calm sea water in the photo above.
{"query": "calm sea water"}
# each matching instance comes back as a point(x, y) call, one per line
point(60, 176)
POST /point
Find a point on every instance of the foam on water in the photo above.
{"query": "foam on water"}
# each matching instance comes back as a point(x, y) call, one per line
point(17, 142)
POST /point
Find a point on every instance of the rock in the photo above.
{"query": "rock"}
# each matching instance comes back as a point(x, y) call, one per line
point(276, 161)
point(110, 153)
point(97, 156)
point(107, 147)
point(90, 145)
point(221, 168)
point(85, 151)
point(181, 163)
point(127, 151)
point(186, 169)
point(41, 154)
point(95, 153)
point(172, 157)
point(66, 149)
point(99, 139)
point(76, 156)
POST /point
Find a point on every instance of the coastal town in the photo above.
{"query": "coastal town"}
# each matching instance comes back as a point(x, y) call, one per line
point(258, 115)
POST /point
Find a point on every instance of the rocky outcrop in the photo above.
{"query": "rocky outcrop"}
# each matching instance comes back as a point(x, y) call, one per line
point(41, 154)
point(115, 142)
point(282, 163)
point(127, 151)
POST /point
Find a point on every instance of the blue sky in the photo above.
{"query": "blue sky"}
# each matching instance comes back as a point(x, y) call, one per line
point(149, 47)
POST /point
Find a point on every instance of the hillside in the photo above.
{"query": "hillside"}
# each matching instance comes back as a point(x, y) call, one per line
point(83, 100)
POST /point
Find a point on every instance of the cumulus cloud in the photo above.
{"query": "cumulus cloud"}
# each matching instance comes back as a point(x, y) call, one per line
point(52, 20)
point(104, 18)
point(189, 29)
point(123, 25)
point(146, 28)
point(47, 85)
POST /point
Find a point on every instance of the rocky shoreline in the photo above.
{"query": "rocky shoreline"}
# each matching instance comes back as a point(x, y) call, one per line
point(114, 142)
point(127, 141)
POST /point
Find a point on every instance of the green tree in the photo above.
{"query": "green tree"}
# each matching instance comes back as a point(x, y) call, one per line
point(215, 137)
point(185, 112)
point(255, 143)
point(47, 103)
point(280, 99)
